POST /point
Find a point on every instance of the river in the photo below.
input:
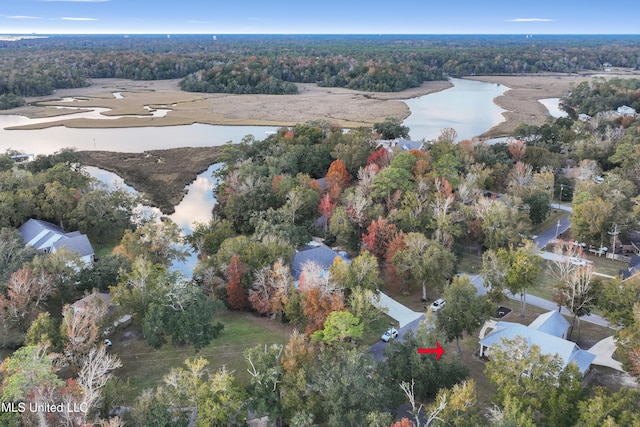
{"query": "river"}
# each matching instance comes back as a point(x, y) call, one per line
point(468, 107)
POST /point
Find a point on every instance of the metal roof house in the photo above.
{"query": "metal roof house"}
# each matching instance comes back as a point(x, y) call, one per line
point(48, 238)
point(549, 332)
point(625, 110)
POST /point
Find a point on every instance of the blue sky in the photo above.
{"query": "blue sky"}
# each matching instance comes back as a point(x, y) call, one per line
point(318, 17)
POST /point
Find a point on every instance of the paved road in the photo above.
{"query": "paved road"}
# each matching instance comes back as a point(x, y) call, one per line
point(543, 239)
point(540, 302)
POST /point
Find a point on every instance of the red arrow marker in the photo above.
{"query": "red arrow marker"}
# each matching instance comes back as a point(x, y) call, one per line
point(438, 351)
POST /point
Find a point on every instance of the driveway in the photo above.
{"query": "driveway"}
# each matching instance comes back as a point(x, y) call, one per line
point(408, 320)
point(397, 311)
point(604, 350)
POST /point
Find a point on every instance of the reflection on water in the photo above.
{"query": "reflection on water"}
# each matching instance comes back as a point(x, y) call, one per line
point(553, 106)
point(126, 140)
point(468, 107)
point(196, 206)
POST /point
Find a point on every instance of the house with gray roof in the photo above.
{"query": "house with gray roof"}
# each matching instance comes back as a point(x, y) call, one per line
point(48, 238)
point(317, 253)
point(548, 332)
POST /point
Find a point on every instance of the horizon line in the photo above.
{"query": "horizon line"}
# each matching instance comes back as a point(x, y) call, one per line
point(313, 34)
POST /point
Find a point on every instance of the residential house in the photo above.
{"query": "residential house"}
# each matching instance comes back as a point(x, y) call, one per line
point(625, 110)
point(548, 332)
point(317, 253)
point(48, 238)
point(404, 144)
point(103, 300)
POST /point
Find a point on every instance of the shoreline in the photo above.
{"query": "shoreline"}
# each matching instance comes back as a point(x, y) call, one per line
point(341, 107)
point(338, 106)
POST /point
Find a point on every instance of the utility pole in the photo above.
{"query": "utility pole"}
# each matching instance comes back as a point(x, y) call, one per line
point(614, 235)
point(560, 195)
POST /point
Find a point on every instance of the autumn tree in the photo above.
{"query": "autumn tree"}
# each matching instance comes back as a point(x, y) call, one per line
point(236, 295)
point(81, 330)
point(27, 294)
point(338, 175)
point(96, 370)
point(381, 158)
point(378, 236)
point(325, 208)
point(297, 363)
point(29, 375)
point(317, 307)
point(517, 149)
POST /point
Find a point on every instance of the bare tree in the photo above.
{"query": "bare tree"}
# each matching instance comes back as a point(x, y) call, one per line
point(81, 329)
point(96, 371)
point(26, 295)
point(580, 294)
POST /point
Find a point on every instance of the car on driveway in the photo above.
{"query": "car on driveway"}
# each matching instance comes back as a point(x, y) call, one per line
point(437, 304)
point(391, 333)
point(577, 261)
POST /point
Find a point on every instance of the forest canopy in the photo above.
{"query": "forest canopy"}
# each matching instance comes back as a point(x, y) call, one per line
point(272, 64)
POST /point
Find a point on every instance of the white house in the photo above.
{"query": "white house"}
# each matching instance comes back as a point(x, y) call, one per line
point(548, 331)
point(625, 110)
point(48, 238)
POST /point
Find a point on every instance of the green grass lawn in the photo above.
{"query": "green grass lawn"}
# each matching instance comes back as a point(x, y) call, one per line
point(143, 367)
point(470, 264)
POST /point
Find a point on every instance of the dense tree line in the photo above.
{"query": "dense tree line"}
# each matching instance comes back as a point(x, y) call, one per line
point(271, 64)
point(601, 95)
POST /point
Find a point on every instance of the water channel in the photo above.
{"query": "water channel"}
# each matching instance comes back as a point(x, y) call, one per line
point(468, 107)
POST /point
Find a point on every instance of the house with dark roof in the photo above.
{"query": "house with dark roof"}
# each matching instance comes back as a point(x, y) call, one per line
point(548, 332)
point(48, 238)
point(317, 253)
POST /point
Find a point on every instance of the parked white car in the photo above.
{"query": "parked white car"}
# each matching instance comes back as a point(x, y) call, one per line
point(437, 304)
point(577, 261)
point(391, 333)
